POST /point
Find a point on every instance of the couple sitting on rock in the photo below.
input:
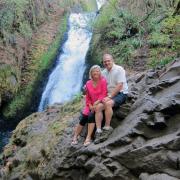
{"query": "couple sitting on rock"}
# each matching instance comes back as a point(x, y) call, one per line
point(103, 92)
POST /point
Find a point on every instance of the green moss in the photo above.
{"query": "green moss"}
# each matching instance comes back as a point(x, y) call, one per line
point(72, 107)
point(86, 5)
point(25, 29)
point(8, 79)
point(57, 128)
point(89, 5)
point(46, 59)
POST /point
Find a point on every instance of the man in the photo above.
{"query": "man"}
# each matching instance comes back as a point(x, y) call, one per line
point(117, 91)
point(117, 87)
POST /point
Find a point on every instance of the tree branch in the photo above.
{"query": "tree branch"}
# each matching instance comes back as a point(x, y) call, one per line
point(177, 10)
point(148, 14)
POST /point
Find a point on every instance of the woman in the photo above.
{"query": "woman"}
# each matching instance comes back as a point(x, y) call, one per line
point(96, 91)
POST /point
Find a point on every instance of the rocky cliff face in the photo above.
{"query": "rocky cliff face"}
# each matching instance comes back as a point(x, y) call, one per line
point(145, 143)
point(31, 33)
point(18, 21)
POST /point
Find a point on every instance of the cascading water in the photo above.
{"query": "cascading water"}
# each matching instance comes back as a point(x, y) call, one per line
point(66, 79)
point(100, 3)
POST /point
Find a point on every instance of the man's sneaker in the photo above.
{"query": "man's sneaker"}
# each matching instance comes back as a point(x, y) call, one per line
point(97, 137)
point(99, 131)
point(104, 135)
point(107, 128)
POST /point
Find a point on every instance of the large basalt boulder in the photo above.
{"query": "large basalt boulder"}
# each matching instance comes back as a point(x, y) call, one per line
point(145, 143)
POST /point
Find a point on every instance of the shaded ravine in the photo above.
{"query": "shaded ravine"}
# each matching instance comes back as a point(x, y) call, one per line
point(71, 61)
point(5, 133)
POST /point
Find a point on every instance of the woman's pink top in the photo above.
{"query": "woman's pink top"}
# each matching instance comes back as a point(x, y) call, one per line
point(94, 93)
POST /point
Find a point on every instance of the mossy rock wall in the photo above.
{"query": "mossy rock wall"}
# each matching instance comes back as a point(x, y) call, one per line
point(19, 19)
point(27, 59)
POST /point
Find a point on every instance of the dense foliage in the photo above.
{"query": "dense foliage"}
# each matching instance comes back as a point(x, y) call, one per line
point(126, 28)
point(18, 17)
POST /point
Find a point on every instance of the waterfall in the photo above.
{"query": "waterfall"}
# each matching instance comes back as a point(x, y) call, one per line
point(100, 3)
point(65, 81)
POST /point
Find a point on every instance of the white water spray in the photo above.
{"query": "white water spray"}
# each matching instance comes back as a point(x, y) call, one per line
point(66, 79)
point(100, 3)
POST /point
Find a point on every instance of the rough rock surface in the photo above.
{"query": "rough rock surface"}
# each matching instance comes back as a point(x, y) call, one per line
point(145, 143)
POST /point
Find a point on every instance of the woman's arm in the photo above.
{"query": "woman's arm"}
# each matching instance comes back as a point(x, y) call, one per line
point(89, 103)
point(88, 99)
point(103, 89)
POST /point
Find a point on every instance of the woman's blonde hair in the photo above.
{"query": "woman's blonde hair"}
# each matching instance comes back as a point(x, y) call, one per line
point(92, 68)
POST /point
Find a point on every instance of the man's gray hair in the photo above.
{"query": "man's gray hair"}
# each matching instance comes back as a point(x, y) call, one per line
point(92, 68)
point(108, 55)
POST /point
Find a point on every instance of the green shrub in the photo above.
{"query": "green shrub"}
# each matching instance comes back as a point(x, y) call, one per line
point(6, 19)
point(171, 25)
point(136, 42)
point(165, 60)
point(155, 62)
point(151, 25)
point(107, 13)
point(77, 98)
point(25, 29)
point(122, 52)
point(20, 17)
point(161, 56)
point(158, 39)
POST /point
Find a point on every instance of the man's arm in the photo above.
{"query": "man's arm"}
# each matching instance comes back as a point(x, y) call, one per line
point(116, 90)
point(120, 78)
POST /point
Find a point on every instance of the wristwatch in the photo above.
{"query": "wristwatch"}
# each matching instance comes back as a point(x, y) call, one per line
point(109, 96)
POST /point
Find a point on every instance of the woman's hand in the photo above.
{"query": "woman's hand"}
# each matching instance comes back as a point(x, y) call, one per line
point(96, 102)
point(92, 108)
point(106, 99)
